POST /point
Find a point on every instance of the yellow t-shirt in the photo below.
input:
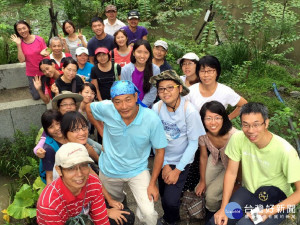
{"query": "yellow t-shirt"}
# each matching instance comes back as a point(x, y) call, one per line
point(277, 164)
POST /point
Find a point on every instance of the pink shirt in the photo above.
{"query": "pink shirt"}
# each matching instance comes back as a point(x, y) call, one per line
point(32, 55)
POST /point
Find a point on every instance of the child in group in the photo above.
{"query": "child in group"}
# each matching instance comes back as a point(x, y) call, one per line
point(183, 126)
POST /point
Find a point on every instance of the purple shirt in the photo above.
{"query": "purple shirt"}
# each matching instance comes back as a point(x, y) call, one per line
point(137, 35)
point(138, 80)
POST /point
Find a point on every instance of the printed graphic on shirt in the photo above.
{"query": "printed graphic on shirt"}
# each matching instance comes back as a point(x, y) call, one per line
point(171, 130)
point(86, 210)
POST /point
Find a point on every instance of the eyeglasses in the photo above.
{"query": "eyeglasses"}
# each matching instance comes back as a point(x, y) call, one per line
point(66, 105)
point(187, 63)
point(209, 72)
point(254, 126)
point(83, 167)
point(210, 119)
point(77, 129)
point(169, 88)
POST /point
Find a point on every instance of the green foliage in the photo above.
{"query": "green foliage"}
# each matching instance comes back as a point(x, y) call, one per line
point(17, 153)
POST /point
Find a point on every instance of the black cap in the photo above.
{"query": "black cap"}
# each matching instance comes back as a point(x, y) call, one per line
point(133, 14)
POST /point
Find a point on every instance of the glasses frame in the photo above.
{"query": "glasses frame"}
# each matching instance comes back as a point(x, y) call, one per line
point(168, 89)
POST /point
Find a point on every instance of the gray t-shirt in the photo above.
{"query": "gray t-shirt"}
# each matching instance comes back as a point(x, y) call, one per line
point(73, 45)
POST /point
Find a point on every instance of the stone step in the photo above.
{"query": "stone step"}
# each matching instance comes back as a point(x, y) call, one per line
point(13, 76)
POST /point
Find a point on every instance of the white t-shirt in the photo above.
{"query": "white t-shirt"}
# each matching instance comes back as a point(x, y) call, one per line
point(111, 29)
point(223, 94)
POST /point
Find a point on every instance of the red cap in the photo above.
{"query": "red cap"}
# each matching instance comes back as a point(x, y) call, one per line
point(101, 50)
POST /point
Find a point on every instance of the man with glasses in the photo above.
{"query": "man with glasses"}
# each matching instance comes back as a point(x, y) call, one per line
point(130, 131)
point(269, 166)
point(75, 193)
point(112, 24)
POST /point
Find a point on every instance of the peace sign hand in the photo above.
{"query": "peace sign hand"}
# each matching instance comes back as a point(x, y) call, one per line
point(80, 36)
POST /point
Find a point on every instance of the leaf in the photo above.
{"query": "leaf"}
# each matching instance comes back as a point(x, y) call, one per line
point(25, 170)
point(24, 199)
point(38, 184)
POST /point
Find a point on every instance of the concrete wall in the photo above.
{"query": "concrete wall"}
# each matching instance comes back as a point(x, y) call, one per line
point(13, 76)
point(19, 115)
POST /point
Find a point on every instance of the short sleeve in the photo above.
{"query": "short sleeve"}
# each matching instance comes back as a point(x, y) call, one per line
point(291, 165)
point(49, 159)
point(97, 110)
point(145, 31)
point(202, 140)
point(193, 122)
point(157, 137)
point(93, 73)
point(233, 150)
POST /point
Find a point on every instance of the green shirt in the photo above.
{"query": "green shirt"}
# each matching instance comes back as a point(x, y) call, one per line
point(277, 164)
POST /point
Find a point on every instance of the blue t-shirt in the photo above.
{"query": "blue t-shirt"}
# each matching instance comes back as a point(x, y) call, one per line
point(127, 148)
point(180, 127)
point(137, 35)
point(86, 71)
point(94, 43)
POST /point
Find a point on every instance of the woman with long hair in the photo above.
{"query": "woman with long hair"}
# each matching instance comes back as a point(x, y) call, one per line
point(140, 70)
point(121, 54)
point(31, 50)
point(104, 73)
point(72, 39)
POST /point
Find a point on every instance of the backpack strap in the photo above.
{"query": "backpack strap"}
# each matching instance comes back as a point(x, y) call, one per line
point(112, 53)
point(159, 106)
point(74, 85)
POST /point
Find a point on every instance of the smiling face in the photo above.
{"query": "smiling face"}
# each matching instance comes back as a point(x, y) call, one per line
point(121, 39)
point(69, 72)
point(159, 52)
point(69, 28)
point(56, 47)
point(102, 58)
point(48, 70)
point(169, 97)
point(126, 106)
point(254, 127)
point(54, 130)
point(67, 105)
point(188, 67)
point(79, 134)
point(207, 75)
point(111, 15)
point(141, 54)
point(23, 30)
point(82, 59)
point(213, 122)
point(88, 95)
point(98, 28)
point(133, 23)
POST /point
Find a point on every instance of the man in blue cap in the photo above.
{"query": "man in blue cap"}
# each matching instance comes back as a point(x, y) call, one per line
point(130, 130)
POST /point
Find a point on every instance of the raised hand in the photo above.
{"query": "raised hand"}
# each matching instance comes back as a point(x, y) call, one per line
point(15, 39)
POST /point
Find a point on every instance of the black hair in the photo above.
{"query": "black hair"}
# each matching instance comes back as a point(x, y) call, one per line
point(103, 53)
point(64, 24)
point(69, 60)
point(60, 100)
point(92, 87)
point(255, 107)
point(124, 33)
point(218, 108)
point(148, 71)
point(47, 62)
point(95, 19)
point(210, 61)
point(21, 22)
point(71, 120)
point(48, 117)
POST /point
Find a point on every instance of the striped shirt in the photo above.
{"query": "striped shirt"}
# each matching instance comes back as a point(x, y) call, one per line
point(57, 204)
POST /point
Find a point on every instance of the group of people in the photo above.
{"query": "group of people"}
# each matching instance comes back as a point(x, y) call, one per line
point(126, 90)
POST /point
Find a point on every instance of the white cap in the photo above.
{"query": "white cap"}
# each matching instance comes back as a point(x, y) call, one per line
point(162, 44)
point(190, 56)
point(71, 154)
point(81, 50)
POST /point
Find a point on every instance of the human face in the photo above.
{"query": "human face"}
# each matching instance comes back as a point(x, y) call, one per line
point(207, 75)
point(69, 72)
point(141, 55)
point(159, 52)
point(48, 70)
point(111, 15)
point(126, 106)
point(74, 177)
point(254, 127)
point(102, 58)
point(69, 28)
point(121, 39)
point(169, 97)
point(23, 30)
point(56, 47)
point(88, 95)
point(82, 59)
point(79, 135)
point(67, 105)
point(98, 28)
point(213, 122)
point(133, 23)
point(54, 130)
point(188, 67)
